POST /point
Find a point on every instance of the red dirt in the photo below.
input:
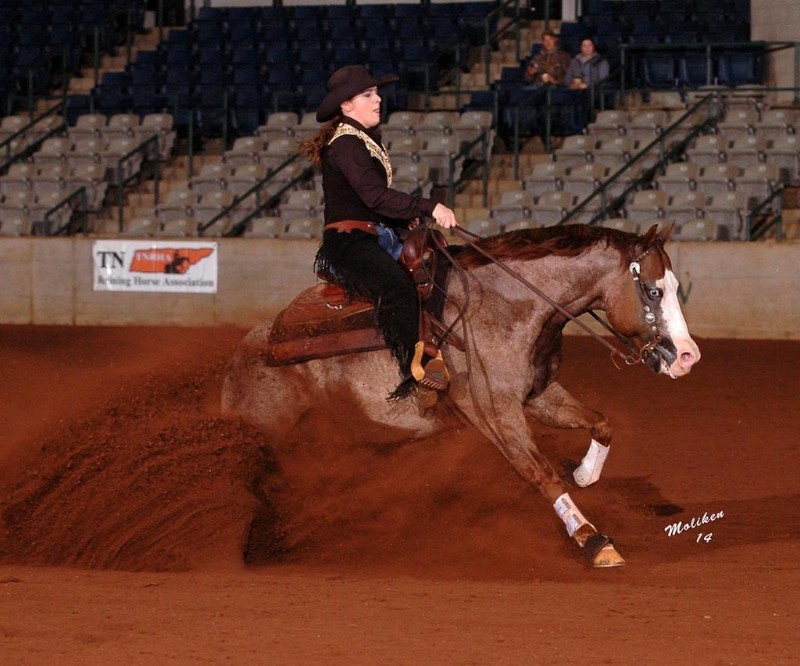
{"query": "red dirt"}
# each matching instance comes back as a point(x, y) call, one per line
point(138, 525)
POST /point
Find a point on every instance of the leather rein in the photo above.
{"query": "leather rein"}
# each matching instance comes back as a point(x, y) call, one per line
point(635, 354)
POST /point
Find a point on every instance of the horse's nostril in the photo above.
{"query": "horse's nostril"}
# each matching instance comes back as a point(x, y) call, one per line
point(687, 359)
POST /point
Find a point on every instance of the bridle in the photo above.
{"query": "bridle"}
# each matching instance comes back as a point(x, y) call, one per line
point(634, 354)
point(645, 296)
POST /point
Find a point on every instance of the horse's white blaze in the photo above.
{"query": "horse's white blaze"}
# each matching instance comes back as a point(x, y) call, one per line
point(687, 353)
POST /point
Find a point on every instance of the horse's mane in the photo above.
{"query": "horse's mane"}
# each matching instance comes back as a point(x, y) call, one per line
point(562, 241)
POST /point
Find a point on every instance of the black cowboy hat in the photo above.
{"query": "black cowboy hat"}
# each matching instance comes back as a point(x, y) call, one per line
point(345, 83)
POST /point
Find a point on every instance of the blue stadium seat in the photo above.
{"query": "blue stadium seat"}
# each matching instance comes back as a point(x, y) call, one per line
point(247, 74)
point(740, 68)
point(147, 98)
point(659, 70)
point(248, 108)
point(648, 31)
point(345, 54)
point(639, 10)
point(349, 12)
point(695, 69)
point(241, 16)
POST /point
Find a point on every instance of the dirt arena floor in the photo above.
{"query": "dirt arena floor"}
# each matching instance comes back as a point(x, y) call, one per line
point(139, 527)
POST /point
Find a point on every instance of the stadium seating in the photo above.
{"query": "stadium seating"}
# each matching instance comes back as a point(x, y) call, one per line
point(551, 207)
point(276, 51)
point(513, 205)
point(546, 176)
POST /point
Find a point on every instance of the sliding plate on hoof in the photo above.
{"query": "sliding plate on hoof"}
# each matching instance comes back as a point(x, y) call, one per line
point(607, 557)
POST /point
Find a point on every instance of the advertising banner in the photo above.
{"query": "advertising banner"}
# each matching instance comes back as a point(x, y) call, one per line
point(167, 266)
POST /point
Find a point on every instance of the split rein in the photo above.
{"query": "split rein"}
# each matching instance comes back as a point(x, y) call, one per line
point(637, 355)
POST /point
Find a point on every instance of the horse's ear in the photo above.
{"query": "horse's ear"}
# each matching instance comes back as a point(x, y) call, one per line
point(666, 232)
point(649, 236)
point(652, 233)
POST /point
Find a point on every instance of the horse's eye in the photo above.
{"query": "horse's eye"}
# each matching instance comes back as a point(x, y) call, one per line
point(654, 294)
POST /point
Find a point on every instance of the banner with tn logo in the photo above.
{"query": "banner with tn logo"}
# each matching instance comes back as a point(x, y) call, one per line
point(169, 266)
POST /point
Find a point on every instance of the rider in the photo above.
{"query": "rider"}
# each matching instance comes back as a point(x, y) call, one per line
point(360, 243)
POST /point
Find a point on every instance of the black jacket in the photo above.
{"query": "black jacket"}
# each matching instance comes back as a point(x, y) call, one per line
point(355, 185)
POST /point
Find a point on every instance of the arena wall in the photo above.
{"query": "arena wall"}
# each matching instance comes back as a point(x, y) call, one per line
point(730, 290)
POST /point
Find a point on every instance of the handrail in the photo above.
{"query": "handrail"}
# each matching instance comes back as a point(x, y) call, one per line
point(498, 13)
point(5, 145)
point(107, 28)
point(462, 154)
point(273, 200)
point(80, 194)
point(256, 189)
point(711, 120)
point(749, 233)
point(120, 182)
point(173, 101)
point(769, 46)
point(453, 49)
point(595, 91)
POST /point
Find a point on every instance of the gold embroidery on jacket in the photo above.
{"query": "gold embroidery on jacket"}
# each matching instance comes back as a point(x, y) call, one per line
point(375, 150)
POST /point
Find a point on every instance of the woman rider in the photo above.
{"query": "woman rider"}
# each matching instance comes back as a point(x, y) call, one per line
point(363, 213)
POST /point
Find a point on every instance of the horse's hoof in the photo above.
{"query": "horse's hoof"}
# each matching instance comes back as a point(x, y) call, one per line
point(607, 557)
point(600, 552)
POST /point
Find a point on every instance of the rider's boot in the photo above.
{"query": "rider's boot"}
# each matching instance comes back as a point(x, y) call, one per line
point(431, 373)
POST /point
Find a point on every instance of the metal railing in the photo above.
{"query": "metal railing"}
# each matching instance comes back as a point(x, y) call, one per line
point(711, 50)
point(8, 157)
point(758, 221)
point(494, 18)
point(462, 155)
point(573, 99)
point(755, 228)
point(256, 190)
point(149, 150)
point(646, 176)
point(68, 202)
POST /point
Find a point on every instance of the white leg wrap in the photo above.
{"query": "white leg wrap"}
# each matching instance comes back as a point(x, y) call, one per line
point(592, 464)
point(569, 513)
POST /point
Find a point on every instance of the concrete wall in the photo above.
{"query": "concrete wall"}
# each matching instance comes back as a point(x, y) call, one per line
point(777, 20)
point(50, 281)
point(731, 290)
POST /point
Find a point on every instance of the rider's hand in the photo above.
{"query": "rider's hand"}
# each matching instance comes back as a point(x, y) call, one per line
point(444, 217)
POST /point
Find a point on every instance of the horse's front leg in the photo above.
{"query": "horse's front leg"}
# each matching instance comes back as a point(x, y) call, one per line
point(557, 408)
point(503, 421)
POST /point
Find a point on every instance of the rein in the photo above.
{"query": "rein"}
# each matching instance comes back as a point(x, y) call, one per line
point(636, 356)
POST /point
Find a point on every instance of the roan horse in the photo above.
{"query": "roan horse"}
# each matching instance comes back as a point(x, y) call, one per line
point(513, 344)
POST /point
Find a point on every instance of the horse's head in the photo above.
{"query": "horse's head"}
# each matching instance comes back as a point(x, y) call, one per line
point(647, 311)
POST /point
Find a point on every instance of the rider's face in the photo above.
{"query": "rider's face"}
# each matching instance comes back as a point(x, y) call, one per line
point(364, 107)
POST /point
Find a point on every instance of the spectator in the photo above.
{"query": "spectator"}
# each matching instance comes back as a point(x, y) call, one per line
point(548, 66)
point(544, 71)
point(588, 68)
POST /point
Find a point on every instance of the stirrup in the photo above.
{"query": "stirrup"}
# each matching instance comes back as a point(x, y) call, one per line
point(434, 375)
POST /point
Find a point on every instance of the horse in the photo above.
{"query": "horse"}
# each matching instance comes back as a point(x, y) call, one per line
point(513, 349)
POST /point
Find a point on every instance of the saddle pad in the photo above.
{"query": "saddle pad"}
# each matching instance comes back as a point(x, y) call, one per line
point(321, 322)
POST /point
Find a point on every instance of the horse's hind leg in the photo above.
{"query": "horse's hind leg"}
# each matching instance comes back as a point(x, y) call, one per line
point(557, 408)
